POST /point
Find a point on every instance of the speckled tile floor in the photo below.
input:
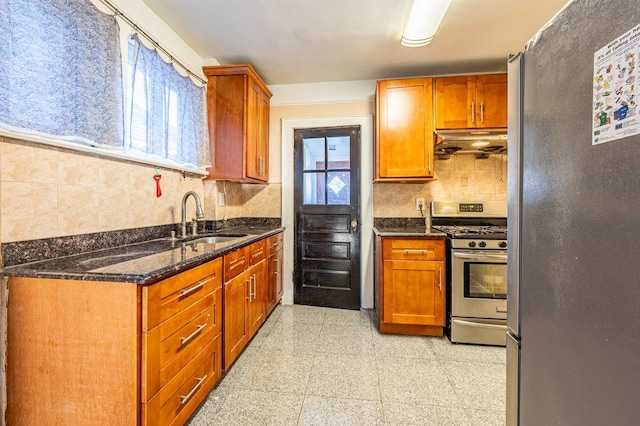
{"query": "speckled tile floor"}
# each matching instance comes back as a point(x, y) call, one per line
point(320, 366)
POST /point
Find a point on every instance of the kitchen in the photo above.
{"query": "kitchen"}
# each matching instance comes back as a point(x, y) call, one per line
point(30, 170)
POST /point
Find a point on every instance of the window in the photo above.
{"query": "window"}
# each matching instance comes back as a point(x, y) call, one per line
point(61, 83)
point(166, 112)
point(327, 170)
point(61, 73)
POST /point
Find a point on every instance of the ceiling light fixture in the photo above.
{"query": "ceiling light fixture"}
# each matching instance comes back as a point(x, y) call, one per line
point(423, 22)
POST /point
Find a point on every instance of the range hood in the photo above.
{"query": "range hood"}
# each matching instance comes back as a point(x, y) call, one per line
point(479, 142)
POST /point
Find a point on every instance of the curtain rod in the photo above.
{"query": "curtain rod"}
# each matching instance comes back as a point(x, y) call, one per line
point(151, 39)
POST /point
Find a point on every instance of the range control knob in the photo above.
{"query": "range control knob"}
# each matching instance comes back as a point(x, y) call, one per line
point(482, 244)
point(472, 243)
point(502, 244)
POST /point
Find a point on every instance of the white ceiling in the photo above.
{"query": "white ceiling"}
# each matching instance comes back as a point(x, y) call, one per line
point(303, 41)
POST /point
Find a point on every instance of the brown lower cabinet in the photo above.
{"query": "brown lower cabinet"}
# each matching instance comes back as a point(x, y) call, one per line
point(87, 352)
point(410, 285)
point(244, 299)
point(274, 271)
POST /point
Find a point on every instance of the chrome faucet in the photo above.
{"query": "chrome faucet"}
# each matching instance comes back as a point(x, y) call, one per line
point(199, 212)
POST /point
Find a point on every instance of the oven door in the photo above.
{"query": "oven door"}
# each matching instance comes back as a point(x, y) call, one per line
point(479, 284)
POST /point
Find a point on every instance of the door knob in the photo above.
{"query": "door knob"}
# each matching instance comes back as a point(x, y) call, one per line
point(354, 225)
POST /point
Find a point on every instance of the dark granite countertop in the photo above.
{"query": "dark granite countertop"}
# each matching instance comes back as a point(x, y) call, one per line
point(407, 231)
point(139, 263)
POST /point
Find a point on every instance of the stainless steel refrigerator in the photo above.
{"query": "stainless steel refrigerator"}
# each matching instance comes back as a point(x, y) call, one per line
point(573, 351)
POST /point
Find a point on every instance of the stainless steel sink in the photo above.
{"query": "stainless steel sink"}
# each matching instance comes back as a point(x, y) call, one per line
point(214, 239)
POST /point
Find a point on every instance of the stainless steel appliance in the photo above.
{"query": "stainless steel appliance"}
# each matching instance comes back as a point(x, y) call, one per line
point(477, 273)
point(480, 142)
point(573, 354)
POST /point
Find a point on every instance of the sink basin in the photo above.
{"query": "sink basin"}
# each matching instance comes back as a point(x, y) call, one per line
point(213, 240)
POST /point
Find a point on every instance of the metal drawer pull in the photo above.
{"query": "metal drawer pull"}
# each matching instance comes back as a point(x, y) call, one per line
point(480, 325)
point(473, 112)
point(193, 289)
point(233, 262)
point(440, 283)
point(276, 243)
point(500, 309)
point(187, 397)
point(419, 251)
point(482, 112)
point(184, 340)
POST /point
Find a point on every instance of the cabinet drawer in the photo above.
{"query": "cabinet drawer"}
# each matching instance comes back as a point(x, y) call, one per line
point(163, 300)
point(413, 249)
point(257, 252)
point(235, 262)
point(165, 353)
point(179, 398)
point(274, 243)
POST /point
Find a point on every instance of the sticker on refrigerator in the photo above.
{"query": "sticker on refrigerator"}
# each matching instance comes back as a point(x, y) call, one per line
point(616, 89)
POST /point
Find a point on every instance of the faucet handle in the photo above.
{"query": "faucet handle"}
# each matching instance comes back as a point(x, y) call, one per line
point(194, 226)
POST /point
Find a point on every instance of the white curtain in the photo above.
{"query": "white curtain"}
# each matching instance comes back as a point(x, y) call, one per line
point(166, 111)
point(61, 72)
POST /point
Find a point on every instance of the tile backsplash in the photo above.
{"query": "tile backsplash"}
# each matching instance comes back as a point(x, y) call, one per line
point(48, 192)
point(462, 177)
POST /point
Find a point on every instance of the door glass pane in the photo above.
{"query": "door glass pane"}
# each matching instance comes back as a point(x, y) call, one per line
point(486, 280)
point(339, 187)
point(338, 152)
point(313, 153)
point(313, 188)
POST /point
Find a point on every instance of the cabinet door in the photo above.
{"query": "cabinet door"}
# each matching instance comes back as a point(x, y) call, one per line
point(404, 146)
point(454, 102)
point(491, 95)
point(414, 292)
point(254, 104)
point(263, 141)
point(274, 280)
point(236, 331)
point(257, 153)
point(257, 297)
point(278, 275)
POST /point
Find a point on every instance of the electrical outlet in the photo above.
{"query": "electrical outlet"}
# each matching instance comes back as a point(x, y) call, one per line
point(419, 203)
point(221, 198)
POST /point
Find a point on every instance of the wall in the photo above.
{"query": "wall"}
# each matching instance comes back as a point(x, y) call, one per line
point(51, 192)
point(462, 177)
point(243, 200)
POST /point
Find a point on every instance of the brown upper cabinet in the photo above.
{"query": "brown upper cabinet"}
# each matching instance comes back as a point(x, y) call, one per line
point(238, 108)
point(471, 101)
point(404, 137)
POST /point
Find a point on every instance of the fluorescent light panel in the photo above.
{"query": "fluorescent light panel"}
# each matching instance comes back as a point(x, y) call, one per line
point(424, 20)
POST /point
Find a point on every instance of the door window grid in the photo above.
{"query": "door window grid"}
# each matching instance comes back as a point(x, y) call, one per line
point(327, 173)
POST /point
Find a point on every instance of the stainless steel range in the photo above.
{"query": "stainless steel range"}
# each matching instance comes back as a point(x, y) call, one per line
point(477, 272)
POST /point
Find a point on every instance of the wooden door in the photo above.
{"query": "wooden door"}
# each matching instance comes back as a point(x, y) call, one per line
point(454, 101)
point(404, 147)
point(414, 292)
point(253, 135)
point(236, 331)
point(274, 280)
point(263, 143)
point(257, 297)
point(491, 93)
point(327, 210)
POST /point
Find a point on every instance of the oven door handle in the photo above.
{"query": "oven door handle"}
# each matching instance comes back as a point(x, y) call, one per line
point(479, 325)
point(480, 256)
